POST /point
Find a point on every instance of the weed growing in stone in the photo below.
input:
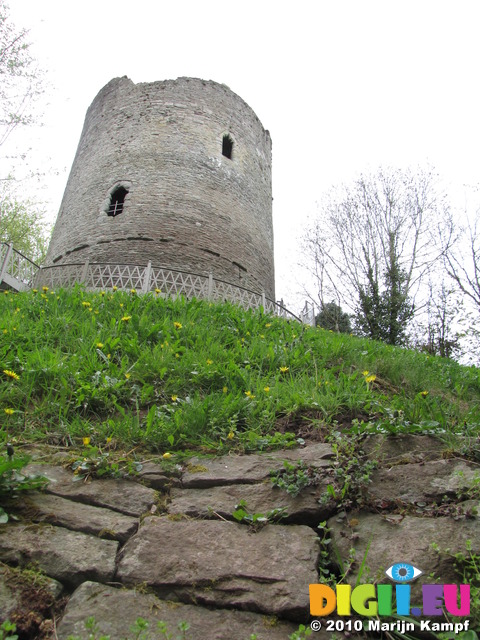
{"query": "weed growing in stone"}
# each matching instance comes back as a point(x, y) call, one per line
point(257, 520)
point(13, 481)
point(295, 477)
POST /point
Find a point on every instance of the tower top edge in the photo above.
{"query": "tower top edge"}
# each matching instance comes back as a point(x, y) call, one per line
point(173, 82)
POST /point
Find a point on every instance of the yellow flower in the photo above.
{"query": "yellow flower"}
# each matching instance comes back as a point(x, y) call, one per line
point(177, 325)
point(284, 369)
point(269, 324)
point(167, 455)
point(109, 439)
point(370, 378)
point(424, 393)
point(109, 355)
point(86, 442)
point(126, 318)
point(225, 389)
point(365, 373)
point(5, 331)
point(34, 290)
point(127, 375)
point(249, 394)
point(174, 398)
point(157, 291)
point(114, 288)
point(45, 289)
point(266, 389)
point(9, 412)
point(209, 361)
point(231, 435)
point(86, 304)
point(101, 294)
point(11, 374)
point(134, 291)
point(99, 345)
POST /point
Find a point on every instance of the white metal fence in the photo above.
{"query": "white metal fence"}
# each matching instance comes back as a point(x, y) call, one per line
point(169, 282)
point(16, 270)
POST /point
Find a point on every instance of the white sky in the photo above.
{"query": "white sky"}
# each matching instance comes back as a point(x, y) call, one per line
point(343, 86)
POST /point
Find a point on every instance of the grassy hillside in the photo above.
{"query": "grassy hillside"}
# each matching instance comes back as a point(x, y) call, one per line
point(129, 371)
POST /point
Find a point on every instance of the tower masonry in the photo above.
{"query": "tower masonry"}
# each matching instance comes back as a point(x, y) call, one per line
point(176, 172)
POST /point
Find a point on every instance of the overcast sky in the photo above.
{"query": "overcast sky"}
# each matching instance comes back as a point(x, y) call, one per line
point(342, 86)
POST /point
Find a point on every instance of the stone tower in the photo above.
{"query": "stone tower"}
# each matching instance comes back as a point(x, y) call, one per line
point(177, 172)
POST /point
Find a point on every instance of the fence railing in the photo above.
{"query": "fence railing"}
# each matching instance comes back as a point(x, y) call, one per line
point(169, 282)
point(16, 270)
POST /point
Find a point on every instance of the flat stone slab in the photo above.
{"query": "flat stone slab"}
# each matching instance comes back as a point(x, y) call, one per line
point(224, 564)
point(212, 502)
point(413, 483)
point(125, 496)
point(68, 556)
point(98, 521)
point(407, 539)
point(116, 610)
point(155, 476)
point(25, 592)
point(254, 468)
point(403, 449)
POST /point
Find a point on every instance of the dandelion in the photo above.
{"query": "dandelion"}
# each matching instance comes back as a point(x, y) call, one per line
point(9, 412)
point(34, 290)
point(424, 393)
point(177, 325)
point(167, 455)
point(99, 345)
point(266, 389)
point(86, 442)
point(133, 291)
point(127, 375)
point(370, 378)
point(174, 398)
point(249, 394)
point(365, 373)
point(114, 288)
point(5, 292)
point(126, 318)
point(225, 389)
point(86, 304)
point(269, 324)
point(109, 439)
point(45, 289)
point(284, 369)
point(231, 435)
point(11, 374)
point(101, 294)
point(5, 331)
point(157, 291)
point(209, 362)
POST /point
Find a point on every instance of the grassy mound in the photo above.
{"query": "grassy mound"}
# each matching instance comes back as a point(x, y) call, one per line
point(129, 370)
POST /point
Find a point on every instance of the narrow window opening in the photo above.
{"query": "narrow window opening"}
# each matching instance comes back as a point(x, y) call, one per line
point(227, 146)
point(117, 200)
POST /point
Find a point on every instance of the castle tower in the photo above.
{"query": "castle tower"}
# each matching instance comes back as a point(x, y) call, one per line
point(177, 172)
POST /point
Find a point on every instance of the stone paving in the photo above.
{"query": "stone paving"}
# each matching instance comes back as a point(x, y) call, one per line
point(165, 546)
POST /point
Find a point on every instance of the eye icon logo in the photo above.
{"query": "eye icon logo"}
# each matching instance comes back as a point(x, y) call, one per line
point(403, 572)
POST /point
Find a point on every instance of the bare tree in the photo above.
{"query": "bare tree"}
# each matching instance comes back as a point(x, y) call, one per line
point(373, 244)
point(21, 81)
point(462, 261)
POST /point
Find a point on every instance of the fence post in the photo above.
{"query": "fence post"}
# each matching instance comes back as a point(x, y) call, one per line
point(5, 261)
point(210, 287)
point(83, 276)
point(264, 302)
point(146, 279)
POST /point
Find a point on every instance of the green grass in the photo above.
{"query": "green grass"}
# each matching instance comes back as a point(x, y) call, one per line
point(188, 375)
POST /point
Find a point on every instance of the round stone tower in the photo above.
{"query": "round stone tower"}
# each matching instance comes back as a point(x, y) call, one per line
point(176, 172)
